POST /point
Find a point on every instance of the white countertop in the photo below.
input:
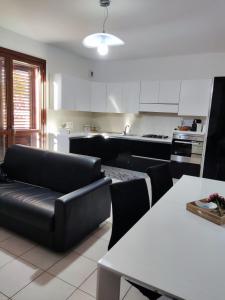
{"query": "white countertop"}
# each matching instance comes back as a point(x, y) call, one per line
point(172, 249)
point(115, 135)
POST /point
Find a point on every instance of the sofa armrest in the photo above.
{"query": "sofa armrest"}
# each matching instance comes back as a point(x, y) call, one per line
point(80, 212)
point(73, 196)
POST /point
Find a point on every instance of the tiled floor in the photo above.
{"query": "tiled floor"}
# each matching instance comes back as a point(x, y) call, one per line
point(29, 271)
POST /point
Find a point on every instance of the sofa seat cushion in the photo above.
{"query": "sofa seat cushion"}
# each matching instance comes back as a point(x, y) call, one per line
point(29, 203)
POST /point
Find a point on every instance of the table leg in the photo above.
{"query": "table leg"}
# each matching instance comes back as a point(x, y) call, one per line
point(108, 285)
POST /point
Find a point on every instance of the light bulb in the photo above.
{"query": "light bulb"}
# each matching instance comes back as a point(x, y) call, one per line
point(103, 49)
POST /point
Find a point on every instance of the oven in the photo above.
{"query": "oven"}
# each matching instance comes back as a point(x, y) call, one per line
point(187, 148)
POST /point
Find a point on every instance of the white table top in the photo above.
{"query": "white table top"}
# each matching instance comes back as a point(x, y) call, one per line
point(174, 250)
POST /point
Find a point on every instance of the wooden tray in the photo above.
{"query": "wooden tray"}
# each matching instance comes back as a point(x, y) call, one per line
point(212, 215)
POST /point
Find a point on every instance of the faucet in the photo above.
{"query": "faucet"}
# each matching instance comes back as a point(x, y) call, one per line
point(125, 129)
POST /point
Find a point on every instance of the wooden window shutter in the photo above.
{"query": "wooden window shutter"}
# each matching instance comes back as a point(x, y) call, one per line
point(23, 96)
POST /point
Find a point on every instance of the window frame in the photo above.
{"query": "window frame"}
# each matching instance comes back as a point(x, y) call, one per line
point(9, 56)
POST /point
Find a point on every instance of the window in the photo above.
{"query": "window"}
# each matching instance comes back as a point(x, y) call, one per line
point(22, 105)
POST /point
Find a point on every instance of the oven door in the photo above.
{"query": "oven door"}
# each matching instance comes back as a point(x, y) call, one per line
point(187, 151)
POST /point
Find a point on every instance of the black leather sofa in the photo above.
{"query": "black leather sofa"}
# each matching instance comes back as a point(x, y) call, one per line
point(53, 198)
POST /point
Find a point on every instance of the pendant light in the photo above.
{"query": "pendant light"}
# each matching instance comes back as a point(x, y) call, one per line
point(102, 40)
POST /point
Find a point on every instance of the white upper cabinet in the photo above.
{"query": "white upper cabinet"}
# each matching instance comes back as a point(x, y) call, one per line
point(149, 91)
point(115, 103)
point(123, 97)
point(71, 93)
point(98, 97)
point(195, 97)
point(131, 97)
point(82, 94)
point(169, 91)
point(63, 92)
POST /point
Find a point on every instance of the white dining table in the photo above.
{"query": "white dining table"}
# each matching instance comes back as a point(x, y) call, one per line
point(170, 250)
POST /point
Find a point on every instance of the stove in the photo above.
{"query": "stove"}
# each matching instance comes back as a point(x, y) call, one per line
point(156, 136)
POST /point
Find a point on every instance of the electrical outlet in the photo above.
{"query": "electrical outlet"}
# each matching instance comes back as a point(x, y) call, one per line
point(69, 125)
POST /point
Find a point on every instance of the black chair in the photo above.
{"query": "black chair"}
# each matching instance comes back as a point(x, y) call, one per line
point(130, 201)
point(161, 180)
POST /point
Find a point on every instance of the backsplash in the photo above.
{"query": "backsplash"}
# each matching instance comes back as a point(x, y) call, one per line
point(141, 123)
point(56, 118)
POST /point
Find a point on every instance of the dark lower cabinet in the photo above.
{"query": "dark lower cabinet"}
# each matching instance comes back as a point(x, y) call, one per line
point(180, 168)
point(123, 153)
point(131, 154)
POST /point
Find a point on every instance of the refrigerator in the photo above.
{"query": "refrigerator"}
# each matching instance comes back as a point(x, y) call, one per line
point(214, 162)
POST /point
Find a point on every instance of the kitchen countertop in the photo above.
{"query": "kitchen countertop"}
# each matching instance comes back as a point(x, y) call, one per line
point(115, 135)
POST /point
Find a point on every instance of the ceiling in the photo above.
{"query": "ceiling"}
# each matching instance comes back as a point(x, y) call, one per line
point(150, 28)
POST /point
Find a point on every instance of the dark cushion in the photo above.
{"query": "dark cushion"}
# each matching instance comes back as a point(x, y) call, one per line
point(60, 172)
point(24, 163)
point(28, 203)
point(3, 176)
point(68, 172)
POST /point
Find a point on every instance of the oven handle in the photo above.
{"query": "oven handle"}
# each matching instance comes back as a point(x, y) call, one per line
point(188, 143)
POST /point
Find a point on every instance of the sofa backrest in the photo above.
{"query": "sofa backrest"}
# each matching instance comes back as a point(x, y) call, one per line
point(24, 163)
point(60, 172)
point(67, 172)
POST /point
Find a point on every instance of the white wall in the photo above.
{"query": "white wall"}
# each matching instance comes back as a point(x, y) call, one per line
point(57, 61)
point(140, 124)
point(177, 67)
point(173, 67)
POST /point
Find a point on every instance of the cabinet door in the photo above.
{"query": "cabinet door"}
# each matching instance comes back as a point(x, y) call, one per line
point(131, 97)
point(82, 92)
point(63, 92)
point(98, 97)
point(160, 108)
point(149, 91)
point(169, 91)
point(195, 97)
point(115, 98)
point(71, 93)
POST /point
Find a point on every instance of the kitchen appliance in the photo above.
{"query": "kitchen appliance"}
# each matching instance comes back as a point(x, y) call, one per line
point(187, 147)
point(214, 164)
point(196, 125)
point(155, 136)
point(186, 154)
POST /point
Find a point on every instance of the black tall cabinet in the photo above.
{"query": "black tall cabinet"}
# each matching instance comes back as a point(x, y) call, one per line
point(214, 166)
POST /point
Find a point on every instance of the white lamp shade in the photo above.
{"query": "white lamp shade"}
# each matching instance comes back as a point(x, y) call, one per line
point(96, 39)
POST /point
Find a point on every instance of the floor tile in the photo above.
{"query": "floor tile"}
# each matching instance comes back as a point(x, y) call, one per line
point(3, 297)
point(134, 294)
point(104, 231)
point(124, 287)
point(42, 257)
point(45, 287)
point(73, 268)
point(79, 295)
point(16, 245)
point(16, 275)
point(93, 248)
point(4, 234)
point(89, 286)
point(5, 257)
